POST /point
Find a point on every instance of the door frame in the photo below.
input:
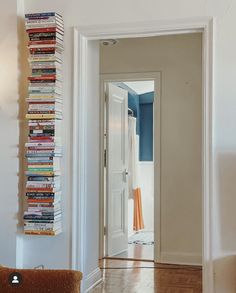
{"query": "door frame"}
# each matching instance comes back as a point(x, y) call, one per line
point(82, 36)
point(135, 76)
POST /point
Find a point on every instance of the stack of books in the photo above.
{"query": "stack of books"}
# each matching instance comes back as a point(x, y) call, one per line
point(44, 148)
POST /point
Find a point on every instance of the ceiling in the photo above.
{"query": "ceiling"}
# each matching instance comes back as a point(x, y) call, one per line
point(141, 87)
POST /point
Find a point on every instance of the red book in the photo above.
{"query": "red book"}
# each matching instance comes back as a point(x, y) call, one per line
point(39, 190)
point(46, 77)
point(41, 49)
point(43, 30)
point(47, 42)
point(41, 200)
point(41, 138)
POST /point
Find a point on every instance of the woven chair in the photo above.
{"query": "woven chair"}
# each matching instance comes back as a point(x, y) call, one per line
point(40, 281)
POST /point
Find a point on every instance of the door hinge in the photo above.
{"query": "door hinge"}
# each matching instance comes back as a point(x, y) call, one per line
point(105, 230)
point(105, 158)
point(105, 95)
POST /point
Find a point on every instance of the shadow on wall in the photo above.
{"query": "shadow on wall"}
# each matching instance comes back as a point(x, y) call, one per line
point(23, 70)
point(225, 274)
point(226, 179)
point(224, 201)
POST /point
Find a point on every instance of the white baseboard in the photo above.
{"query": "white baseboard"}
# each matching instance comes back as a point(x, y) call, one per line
point(146, 163)
point(19, 250)
point(92, 280)
point(181, 258)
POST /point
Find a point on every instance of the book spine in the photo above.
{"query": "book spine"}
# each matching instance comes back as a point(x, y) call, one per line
point(43, 14)
point(43, 149)
point(41, 116)
point(34, 232)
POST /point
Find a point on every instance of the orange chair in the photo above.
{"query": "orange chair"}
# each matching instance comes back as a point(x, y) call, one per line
point(40, 281)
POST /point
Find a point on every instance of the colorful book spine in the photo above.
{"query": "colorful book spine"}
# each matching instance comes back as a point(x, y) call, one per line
point(45, 112)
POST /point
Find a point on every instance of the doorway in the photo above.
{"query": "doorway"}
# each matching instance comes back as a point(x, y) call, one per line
point(85, 95)
point(133, 235)
point(179, 59)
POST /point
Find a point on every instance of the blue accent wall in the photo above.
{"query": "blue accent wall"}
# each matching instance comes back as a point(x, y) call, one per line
point(146, 127)
point(133, 104)
point(142, 106)
point(147, 98)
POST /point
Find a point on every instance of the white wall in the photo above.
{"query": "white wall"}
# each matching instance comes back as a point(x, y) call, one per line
point(55, 252)
point(92, 189)
point(130, 217)
point(178, 58)
point(79, 12)
point(9, 133)
point(48, 248)
point(146, 171)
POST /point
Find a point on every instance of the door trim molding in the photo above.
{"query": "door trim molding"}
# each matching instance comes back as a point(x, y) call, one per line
point(84, 34)
point(79, 122)
point(136, 76)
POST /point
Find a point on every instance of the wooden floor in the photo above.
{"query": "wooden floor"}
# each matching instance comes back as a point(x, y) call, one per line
point(121, 276)
point(138, 252)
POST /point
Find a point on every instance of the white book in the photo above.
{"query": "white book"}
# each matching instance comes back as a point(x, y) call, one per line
point(46, 209)
point(52, 106)
point(43, 183)
point(44, 90)
point(50, 19)
point(48, 185)
point(45, 64)
point(56, 123)
point(45, 25)
point(57, 54)
point(44, 59)
point(42, 144)
point(56, 84)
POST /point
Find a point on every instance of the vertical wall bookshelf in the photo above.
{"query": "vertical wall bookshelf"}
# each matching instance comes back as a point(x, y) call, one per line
point(44, 146)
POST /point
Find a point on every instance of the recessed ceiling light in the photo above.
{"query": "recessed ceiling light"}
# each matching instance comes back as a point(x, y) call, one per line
point(109, 42)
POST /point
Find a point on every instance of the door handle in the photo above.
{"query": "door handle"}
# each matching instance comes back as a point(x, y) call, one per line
point(125, 174)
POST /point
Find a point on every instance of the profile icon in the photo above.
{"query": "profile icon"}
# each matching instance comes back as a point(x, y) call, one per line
point(15, 279)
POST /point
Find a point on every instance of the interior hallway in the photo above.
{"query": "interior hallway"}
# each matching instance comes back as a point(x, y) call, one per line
point(120, 276)
point(137, 252)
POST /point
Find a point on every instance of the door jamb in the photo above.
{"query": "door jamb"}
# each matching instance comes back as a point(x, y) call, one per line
point(135, 76)
point(84, 34)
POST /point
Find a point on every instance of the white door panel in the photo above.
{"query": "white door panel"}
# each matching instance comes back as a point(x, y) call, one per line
point(117, 162)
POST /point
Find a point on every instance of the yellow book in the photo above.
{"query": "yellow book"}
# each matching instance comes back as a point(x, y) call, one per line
point(41, 116)
point(41, 232)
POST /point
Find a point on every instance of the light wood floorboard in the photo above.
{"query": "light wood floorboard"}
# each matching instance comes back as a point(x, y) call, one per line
point(137, 252)
point(123, 276)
